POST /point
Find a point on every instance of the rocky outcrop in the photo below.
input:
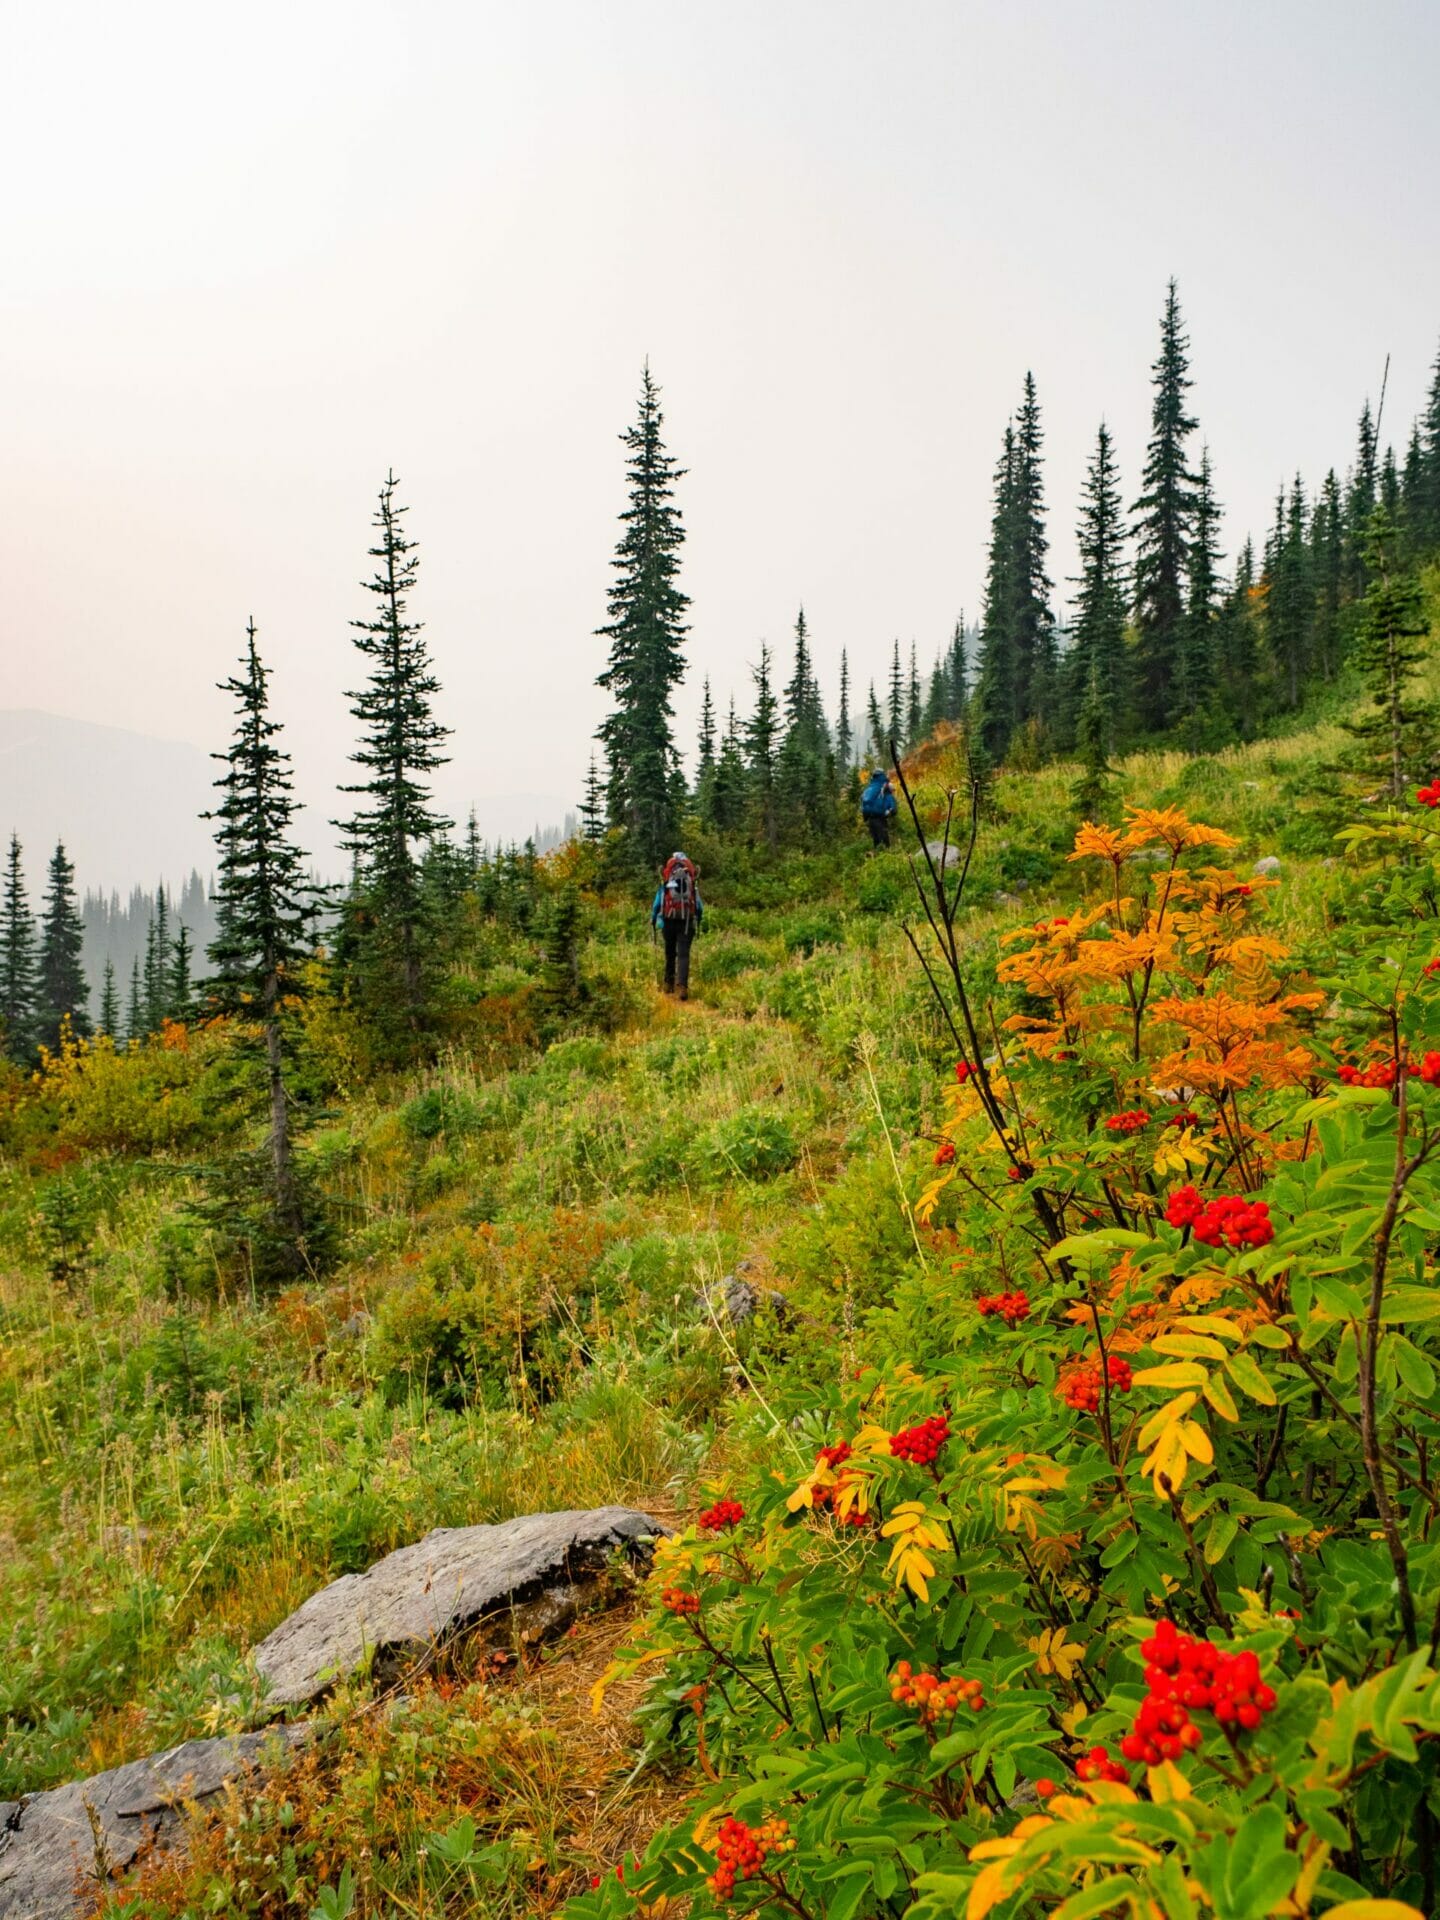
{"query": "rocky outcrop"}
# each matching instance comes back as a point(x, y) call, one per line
point(54, 1845)
point(738, 1298)
point(530, 1573)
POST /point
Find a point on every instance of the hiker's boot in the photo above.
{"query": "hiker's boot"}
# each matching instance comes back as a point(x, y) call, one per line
point(684, 993)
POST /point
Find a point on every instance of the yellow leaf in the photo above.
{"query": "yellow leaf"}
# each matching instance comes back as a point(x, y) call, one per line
point(1183, 1374)
point(1373, 1910)
point(1196, 1441)
point(1164, 1417)
point(930, 1199)
point(1166, 1782)
point(618, 1667)
point(1220, 1398)
point(988, 1891)
point(1000, 1849)
point(1071, 1721)
point(1209, 1323)
point(871, 1439)
point(1055, 1653)
point(1190, 1345)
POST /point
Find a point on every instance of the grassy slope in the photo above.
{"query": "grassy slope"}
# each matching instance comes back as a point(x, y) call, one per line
point(176, 1478)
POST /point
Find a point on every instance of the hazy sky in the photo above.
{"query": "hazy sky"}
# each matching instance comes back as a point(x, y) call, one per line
point(251, 257)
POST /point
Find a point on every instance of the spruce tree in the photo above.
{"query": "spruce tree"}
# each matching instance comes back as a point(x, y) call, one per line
point(474, 851)
point(1396, 735)
point(914, 710)
point(1199, 687)
point(1327, 569)
point(875, 724)
point(61, 992)
point(646, 631)
point(592, 807)
point(1426, 516)
point(805, 772)
point(706, 766)
point(1290, 608)
point(730, 793)
point(109, 1021)
point(1164, 529)
point(1098, 656)
point(898, 703)
point(266, 910)
point(19, 984)
point(1237, 646)
point(957, 674)
point(1035, 623)
point(996, 690)
point(157, 963)
point(1360, 496)
point(389, 939)
point(1090, 792)
point(762, 734)
point(181, 984)
point(135, 1027)
point(844, 739)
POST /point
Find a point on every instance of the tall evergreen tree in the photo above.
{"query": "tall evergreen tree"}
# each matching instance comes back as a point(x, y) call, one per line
point(592, 807)
point(181, 992)
point(388, 939)
point(730, 794)
point(1098, 655)
point(157, 963)
point(997, 685)
point(1165, 528)
point(914, 709)
point(957, 674)
point(1091, 791)
point(474, 851)
point(1396, 736)
point(1199, 692)
point(266, 907)
point(1360, 497)
point(1426, 516)
point(646, 631)
point(1035, 623)
point(1290, 608)
point(844, 736)
point(875, 724)
point(1237, 643)
point(762, 739)
point(19, 984)
point(109, 1021)
point(135, 1026)
point(707, 738)
point(895, 715)
point(805, 770)
point(62, 994)
point(1327, 570)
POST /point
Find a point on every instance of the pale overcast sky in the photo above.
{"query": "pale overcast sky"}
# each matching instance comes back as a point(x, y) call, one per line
point(251, 257)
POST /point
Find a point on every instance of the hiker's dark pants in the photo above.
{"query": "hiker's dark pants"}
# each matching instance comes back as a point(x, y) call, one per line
point(678, 935)
point(879, 825)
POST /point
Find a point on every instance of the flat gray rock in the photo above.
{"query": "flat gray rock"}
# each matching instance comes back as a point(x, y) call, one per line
point(401, 1610)
point(54, 1845)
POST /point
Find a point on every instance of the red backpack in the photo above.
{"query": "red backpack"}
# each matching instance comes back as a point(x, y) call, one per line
point(677, 889)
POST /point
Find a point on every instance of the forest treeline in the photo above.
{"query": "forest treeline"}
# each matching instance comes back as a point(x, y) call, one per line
point(1167, 644)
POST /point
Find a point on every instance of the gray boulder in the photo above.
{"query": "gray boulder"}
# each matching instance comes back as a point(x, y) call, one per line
point(737, 1298)
point(54, 1846)
point(942, 855)
point(1266, 868)
point(527, 1574)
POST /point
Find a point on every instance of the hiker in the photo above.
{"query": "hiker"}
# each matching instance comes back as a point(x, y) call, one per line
point(877, 803)
point(677, 911)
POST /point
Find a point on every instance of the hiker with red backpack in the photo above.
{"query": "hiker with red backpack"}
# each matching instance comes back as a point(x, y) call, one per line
point(677, 911)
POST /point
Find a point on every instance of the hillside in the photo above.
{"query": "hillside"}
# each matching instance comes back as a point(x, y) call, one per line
point(523, 1316)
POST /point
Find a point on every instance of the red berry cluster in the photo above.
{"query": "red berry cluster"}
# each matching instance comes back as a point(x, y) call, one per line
point(1130, 1122)
point(935, 1696)
point(1186, 1117)
point(724, 1513)
point(1380, 1073)
point(921, 1444)
point(1430, 1069)
point(1181, 1674)
point(1097, 1765)
point(1432, 966)
point(1081, 1387)
point(1229, 1219)
point(835, 1456)
point(963, 1071)
point(743, 1851)
point(683, 1605)
point(1011, 1307)
point(1429, 796)
point(945, 1153)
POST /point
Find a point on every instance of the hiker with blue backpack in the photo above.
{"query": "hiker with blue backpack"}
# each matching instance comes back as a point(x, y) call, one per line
point(877, 804)
point(677, 911)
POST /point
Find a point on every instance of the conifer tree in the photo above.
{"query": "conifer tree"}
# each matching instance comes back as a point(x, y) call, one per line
point(157, 963)
point(1165, 527)
point(1290, 608)
point(996, 691)
point(646, 631)
point(957, 675)
point(109, 1021)
point(914, 711)
point(844, 738)
point(135, 1027)
point(1426, 515)
point(1360, 496)
point(875, 723)
point(474, 851)
point(1098, 656)
point(389, 939)
point(1199, 691)
point(1237, 643)
point(897, 704)
point(592, 807)
point(265, 905)
point(1091, 790)
point(1397, 734)
point(1327, 565)
point(805, 772)
point(1035, 623)
point(762, 734)
point(19, 984)
point(61, 992)
point(730, 793)
point(181, 983)
point(706, 764)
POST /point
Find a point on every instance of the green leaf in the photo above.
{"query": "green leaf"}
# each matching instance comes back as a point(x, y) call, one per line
point(1223, 1529)
point(1248, 1377)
